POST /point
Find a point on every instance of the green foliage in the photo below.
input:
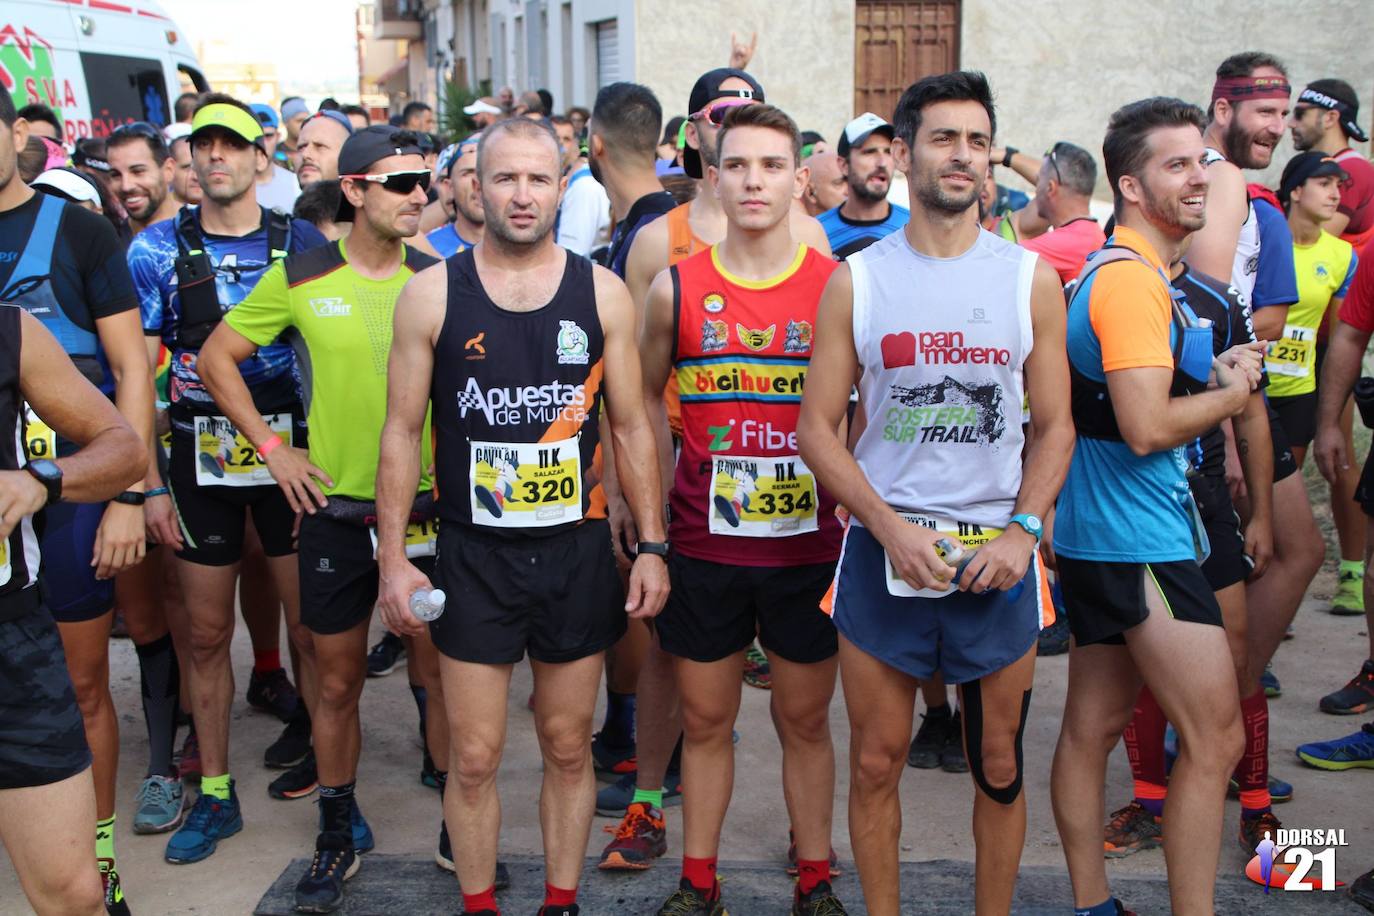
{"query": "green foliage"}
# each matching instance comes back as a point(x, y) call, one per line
point(452, 122)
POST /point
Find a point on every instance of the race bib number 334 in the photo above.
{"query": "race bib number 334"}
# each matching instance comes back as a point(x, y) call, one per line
point(526, 484)
point(761, 497)
point(225, 458)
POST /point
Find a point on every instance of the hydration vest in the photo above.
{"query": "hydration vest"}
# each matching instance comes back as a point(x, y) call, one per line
point(201, 309)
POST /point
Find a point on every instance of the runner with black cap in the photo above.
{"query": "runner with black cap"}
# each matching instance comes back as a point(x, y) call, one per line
point(865, 151)
point(345, 342)
point(188, 272)
point(1325, 119)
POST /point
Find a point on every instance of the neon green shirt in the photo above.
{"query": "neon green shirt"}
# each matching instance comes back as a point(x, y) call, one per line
point(1325, 269)
point(341, 329)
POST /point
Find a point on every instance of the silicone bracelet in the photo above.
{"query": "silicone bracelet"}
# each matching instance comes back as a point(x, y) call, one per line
point(269, 446)
point(157, 491)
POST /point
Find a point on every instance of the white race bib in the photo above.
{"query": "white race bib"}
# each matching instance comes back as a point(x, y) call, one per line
point(761, 497)
point(525, 484)
point(970, 535)
point(225, 458)
point(1294, 354)
point(5, 569)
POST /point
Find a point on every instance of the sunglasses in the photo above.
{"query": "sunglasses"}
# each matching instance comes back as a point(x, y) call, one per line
point(1053, 152)
point(137, 129)
point(396, 182)
point(715, 111)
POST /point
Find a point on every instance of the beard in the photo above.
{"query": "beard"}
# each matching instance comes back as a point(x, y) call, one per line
point(475, 215)
point(154, 198)
point(1238, 145)
point(934, 197)
point(1169, 215)
point(861, 190)
point(498, 225)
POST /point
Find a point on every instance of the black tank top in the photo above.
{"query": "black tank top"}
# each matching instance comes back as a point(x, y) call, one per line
point(19, 565)
point(516, 397)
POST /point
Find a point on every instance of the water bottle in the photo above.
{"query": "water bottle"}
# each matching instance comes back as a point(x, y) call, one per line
point(427, 604)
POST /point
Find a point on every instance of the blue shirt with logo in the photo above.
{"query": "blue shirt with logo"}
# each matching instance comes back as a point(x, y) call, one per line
point(847, 236)
point(447, 241)
point(238, 263)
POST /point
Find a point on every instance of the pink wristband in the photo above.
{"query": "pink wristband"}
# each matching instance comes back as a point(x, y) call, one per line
point(269, 446)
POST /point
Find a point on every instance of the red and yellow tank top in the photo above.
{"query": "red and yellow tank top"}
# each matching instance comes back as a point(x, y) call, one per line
point(741, 493)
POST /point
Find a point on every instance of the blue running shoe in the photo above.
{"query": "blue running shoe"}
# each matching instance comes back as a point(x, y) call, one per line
point(210, 820)
point(1270, 682)
point(363, 840)
point(321, 888)
point(161, 804)
point(1346, 753)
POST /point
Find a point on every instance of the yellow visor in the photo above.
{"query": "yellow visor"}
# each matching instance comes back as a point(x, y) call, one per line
point(231, 118)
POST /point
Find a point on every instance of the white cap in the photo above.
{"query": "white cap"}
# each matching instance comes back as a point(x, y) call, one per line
point(75, 186)
point(176, 131)
point(857, 131)
point(482, 106)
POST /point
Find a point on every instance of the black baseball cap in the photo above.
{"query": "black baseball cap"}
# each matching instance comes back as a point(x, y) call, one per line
point(1335, 95)
point(367, 146)
point(705, 91)
point(1305, 165)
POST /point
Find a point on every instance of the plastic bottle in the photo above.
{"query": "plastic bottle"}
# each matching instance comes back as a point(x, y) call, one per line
point(427, 604)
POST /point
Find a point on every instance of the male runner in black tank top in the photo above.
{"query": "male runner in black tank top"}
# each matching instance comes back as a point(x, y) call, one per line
point(47, 796)
point(515, 342)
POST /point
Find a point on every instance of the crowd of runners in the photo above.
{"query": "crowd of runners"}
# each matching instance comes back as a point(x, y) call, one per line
point(679, 408)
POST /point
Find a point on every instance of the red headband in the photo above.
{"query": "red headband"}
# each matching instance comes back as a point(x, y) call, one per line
point(1244, 88)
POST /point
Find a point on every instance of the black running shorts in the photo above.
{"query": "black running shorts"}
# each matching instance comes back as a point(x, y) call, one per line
point(212, 517)
point(1285, 465)
point(1227, 564)
point(338, 569)
point(1104, 600)
point(558, 597)
point(716, 610)
point(1298, 414)
point(42, 738)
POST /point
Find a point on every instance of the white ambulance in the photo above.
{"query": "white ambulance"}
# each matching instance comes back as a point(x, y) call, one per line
point(96, 63)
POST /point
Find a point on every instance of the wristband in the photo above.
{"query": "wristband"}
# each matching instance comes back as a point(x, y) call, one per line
point(269, 446)
point(157, 491)
point(131, 498)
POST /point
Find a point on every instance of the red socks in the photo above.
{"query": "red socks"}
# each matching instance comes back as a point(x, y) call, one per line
point(266, 662)
point(810, 873)
point(557, 896)
point(701, 874)
point(486, 900)
point(1144, 739)
point(1252, 773)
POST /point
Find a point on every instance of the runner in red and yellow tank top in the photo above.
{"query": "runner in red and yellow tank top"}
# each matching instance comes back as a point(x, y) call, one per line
point(754, 539)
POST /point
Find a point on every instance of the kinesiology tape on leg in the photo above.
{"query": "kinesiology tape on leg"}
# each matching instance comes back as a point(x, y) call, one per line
point(972, 701)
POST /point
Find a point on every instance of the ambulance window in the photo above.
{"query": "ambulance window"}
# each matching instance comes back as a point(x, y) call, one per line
point(191, 79)
point(124, 89)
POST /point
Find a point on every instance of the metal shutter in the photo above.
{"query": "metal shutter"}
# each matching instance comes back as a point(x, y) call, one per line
point(607, 53)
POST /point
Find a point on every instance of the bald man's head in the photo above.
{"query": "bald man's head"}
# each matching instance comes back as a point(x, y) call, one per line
point(828, 187)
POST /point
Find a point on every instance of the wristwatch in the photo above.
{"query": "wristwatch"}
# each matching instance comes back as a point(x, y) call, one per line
point(131, 498)
point(657, 548)
point(49, 475)
point(1031, 523)
point(1007, 154)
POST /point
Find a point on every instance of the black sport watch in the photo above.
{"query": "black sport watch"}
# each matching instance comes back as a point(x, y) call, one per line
point(656, 548)
point(49, 475)
point(131, 498)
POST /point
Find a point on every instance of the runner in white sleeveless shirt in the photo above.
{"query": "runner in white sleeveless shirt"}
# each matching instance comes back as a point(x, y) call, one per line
point(949, 326)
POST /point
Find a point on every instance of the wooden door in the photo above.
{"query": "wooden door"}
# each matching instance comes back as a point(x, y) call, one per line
point(896, 42)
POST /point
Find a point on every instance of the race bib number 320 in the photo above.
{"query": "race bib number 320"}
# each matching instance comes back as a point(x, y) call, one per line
point(225, 458)
point(761, 497)
point(525, 484)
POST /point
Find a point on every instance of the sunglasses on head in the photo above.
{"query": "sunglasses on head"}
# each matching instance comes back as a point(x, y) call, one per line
point(1053, 152)
point(396, 182)
point(715, 111)
point(137, 129)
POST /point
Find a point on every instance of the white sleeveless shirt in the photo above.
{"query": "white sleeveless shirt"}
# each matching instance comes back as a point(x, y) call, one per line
point(1246, 263)
point(942, 343)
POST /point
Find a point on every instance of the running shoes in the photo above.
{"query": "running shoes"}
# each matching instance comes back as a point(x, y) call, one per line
point(273, 693)
point(161, 805)
point(1346, 753)
point(1131, 829)
point(1355, 697)
point(383, 658)
point(211, 820)
point(640, 837)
